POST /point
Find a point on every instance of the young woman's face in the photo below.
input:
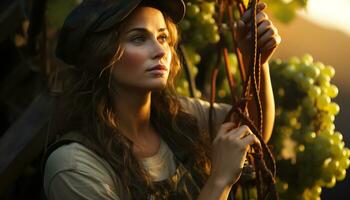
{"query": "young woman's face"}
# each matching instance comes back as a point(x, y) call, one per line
point(146, 58)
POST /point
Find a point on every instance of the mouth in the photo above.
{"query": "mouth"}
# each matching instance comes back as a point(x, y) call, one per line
point(158, 68)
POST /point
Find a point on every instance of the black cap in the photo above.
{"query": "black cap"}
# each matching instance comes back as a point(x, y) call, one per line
point(100, 15)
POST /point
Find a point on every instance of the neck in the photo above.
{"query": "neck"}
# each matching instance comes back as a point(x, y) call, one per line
point(133, 111)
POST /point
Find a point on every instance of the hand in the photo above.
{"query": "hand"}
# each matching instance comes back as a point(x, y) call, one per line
point(268, 37)
point(229, 152)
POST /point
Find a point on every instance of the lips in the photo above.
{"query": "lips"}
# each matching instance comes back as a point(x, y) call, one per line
point(158, 67)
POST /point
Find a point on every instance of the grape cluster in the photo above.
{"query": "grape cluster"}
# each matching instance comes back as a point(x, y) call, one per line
point(198, 30)
point(199, 27)
point(310, 153)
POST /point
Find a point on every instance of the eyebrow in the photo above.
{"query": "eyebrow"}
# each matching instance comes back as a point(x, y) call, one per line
point(145, 30)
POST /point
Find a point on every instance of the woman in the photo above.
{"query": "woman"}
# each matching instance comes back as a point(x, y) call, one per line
point(125, 134)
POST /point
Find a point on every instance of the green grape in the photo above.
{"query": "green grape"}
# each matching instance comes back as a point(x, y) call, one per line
point(192, 55)
point(311, 71)
point(333, 108)
point(331, 183)
point(322, 102)
point(337, 149)
point(340, 174)
point(299, 77)
point(312, 111)
point(194, 71)
point(293, 122)
point(323, 143)
point(280, 92)
point(289, 71)
point(185, 24)
point(331, 91)
point(208, 7)
point(198, 39)
point(306, 83)
point(344, 163)
point(281, 186)
point(308, 103)
point(184, 84)
point(319, 65)
point(214, 38)
point(329, 71)
point(344, 153)
point(192, 10)
point(334, 165)
point(179, 90)
point(307, 59)
point(317, 190)
point(277, 61)
point(327, 174)
point(327, 119)
point(314, 91)
point(337, 137)
point(327, 132)
point(294, 60)
point(310, 136)
point(204, 18)
point(323, 80)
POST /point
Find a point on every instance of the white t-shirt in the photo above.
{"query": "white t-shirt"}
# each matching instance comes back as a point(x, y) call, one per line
point(74, 172)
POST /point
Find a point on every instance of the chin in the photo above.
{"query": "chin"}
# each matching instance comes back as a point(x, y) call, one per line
point(157, 85)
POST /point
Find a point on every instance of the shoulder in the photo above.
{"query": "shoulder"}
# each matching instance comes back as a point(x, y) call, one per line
point(198, 105)
point(73, 170)
point(200, 109)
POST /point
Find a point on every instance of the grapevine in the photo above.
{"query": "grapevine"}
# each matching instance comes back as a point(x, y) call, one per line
point(310, 153)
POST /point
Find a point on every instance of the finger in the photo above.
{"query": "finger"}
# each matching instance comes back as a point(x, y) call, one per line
point(260, 17)
point(225, 127)
point(248, 14)
point(265, 26)
point(240, 29)
point(250, 139)
point(239, 132)
point(271, 44)
point(267, 36)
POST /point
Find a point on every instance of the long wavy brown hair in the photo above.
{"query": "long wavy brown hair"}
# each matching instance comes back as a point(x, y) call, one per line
point(85, 106)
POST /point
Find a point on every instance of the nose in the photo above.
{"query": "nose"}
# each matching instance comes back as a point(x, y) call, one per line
point(159, 51)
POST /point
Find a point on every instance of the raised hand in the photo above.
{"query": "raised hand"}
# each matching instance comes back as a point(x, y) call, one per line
point(268, 37)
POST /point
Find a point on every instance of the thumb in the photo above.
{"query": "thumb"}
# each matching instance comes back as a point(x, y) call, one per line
point(240, 29)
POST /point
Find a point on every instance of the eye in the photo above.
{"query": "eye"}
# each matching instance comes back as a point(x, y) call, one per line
point(138, 39)
point(164, 38)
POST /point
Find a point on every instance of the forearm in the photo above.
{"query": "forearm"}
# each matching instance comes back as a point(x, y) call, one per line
point(267, 102)
point(214, 190)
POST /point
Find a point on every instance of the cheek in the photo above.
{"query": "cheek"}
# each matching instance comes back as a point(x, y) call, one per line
point(133, 59)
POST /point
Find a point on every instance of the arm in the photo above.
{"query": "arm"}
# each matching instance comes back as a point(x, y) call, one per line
point(74, 172)
point(226, 167)
point(268, 104)
point(268, 41)
point(213, 189)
